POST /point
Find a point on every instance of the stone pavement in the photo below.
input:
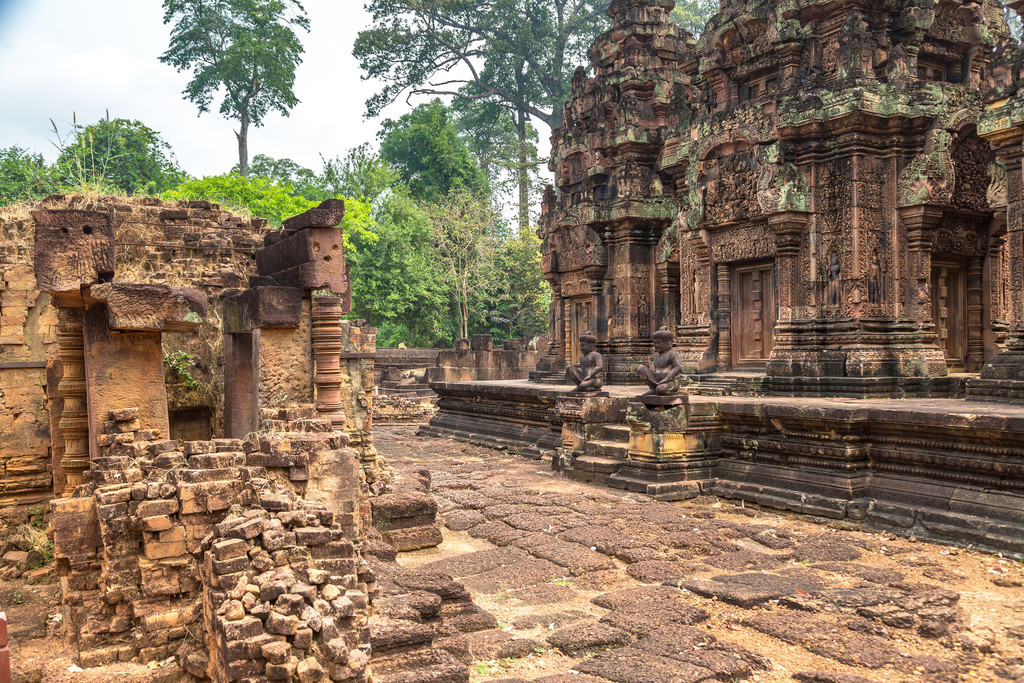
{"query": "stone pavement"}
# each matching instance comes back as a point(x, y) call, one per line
point(590, 584)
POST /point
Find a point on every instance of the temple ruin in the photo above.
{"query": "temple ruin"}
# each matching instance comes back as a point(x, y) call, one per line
point(818, 200)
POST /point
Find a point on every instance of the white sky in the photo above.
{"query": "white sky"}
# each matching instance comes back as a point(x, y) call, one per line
point(64, 56)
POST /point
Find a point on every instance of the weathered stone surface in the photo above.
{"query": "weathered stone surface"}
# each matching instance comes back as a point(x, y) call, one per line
point(72, 249)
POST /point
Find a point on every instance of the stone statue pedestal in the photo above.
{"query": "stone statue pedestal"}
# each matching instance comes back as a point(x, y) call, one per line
point(585, 417)
point(673, 447)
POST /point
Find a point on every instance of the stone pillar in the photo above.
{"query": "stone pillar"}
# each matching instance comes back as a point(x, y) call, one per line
point(919, 224)
point(672, 449)
point(789, 229)
point(327, 376)
point(975, 311)
point(74, 421)
point(724, 318)
point(1002, 378)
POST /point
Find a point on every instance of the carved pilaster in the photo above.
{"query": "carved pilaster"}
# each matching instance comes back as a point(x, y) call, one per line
point(919, 223)
point(789, 228)
point(724, 318)
point(74, 421)
point(975, 342)
point(327, 375)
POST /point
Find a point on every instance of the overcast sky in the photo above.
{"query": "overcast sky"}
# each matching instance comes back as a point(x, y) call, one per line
point(64, 56)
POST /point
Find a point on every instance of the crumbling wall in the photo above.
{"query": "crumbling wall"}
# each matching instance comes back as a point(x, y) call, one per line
point(27, 330)
point(146, 560)
point(194, 243)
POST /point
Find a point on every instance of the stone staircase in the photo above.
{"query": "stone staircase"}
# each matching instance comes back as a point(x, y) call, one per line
point(604, 456)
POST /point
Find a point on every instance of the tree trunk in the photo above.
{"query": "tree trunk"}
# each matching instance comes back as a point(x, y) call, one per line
point(523, 172)
point(243, 145)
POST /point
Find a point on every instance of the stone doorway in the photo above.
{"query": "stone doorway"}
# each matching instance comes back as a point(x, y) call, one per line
point(949, 310)
point(579, 322)
point(754, 312)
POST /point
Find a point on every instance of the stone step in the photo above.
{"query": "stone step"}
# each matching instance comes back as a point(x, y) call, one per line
point(608, 449)
point(617, 433)
point(598, 464)
point(420, 666)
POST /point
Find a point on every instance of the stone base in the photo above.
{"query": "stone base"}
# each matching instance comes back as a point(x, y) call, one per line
point(507, 415)
point(1002, 378)
point(944, 469)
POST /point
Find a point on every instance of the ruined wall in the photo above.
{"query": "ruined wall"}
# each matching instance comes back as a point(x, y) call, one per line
point(211, 551)
point(194, 243)
point(27, 330)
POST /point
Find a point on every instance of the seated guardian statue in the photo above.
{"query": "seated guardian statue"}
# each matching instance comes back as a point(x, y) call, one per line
point(588, 376)
point(664, 378)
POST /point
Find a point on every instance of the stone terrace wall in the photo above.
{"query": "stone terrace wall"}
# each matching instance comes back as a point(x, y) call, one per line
point(193, 243)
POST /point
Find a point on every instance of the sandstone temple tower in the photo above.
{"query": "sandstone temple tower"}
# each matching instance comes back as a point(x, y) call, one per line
point(802, 193)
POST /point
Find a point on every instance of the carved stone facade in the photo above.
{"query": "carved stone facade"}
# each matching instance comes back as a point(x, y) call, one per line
point(801, 192)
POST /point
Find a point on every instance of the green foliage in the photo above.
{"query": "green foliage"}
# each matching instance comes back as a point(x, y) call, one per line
point(245, 50)
point(425, 149)
point(463, 226)
point(129, 155)
point(265, 198)
point(395, 284)
point(360, 173)
point(257, 196)
point(305, 182)
point(517, 52)
point(182, 364)
point(692, 15)
point(25, 176)
point(520, 298)
point(37, 517)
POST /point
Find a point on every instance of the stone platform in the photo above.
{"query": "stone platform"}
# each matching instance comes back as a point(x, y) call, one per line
point(946, 469)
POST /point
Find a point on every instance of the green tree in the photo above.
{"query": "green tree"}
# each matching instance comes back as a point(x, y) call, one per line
point(692, 15)
point(25, 176)
point(507, 155)
point(464, 250)
point(437, 47)
point(305, 181)
point(520, 300)
point(425, 149)
point(395, 282)
point(360, 173)
point(268, 199)
point(245, 49)
point(128, 155)
point(518, 54)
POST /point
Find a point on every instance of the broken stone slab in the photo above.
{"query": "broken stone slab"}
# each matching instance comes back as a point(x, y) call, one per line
point(263, 307)
point(313, 259)
point(328, 215)
point(73, 249)
point(150, 307)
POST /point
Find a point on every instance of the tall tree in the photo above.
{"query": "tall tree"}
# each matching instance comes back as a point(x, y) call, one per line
point(464, 250)
point(128, 155)
point(25, 176)
point(692, 15)
point(425, 149)
point(518, 54)
point(247, 48)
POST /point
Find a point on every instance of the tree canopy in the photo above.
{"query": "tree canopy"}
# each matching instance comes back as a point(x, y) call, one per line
point(245, 49)
point(130, 155)
point(425, 149)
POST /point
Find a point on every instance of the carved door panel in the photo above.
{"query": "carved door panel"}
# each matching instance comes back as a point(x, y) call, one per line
point(579, 322)
point(753, 313)
point(949, 310)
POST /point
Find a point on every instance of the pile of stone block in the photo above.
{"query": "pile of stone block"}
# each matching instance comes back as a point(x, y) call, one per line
point(130, 546)
point(407, 516)
point(285, 596)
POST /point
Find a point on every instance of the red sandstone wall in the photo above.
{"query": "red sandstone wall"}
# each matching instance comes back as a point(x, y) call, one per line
point(183, 243)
